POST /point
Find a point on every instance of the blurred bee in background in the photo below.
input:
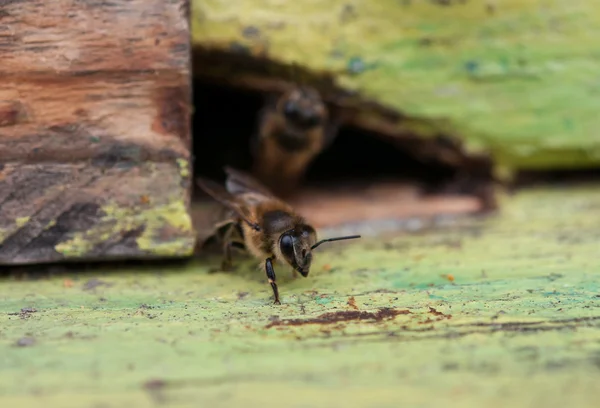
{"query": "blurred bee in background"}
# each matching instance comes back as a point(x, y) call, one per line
point(266, 227)
point(293, 129)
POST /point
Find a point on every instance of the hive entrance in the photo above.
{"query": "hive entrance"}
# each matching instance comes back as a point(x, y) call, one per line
point(357, 163)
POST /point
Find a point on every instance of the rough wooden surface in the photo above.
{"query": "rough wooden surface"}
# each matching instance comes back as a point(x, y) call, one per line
point(94, 130)
point(73, 36)
point(496, 311)
point(516, 78)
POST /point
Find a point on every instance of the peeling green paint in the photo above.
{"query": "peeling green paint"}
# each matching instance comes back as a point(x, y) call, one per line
point(323, 300)
point(184, 167)
point(518, 325)
point(144, 218)
point(21, 221)
point(153, 220)
point(6, 232)
point(516, 78)
point(177, 216)
point(50, 224)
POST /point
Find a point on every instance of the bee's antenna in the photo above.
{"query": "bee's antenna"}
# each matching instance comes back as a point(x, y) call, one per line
point(333, 239)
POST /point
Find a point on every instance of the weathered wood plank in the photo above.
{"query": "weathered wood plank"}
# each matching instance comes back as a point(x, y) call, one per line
point(130, 209)
point(67, 36)
point(73, 118)
point(94, 130)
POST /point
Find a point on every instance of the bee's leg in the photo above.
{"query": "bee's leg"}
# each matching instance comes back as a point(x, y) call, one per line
point(227, 264)
point(271, 277)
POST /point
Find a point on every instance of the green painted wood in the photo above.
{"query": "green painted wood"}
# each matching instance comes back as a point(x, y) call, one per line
point(517, 78)
point(378, 323)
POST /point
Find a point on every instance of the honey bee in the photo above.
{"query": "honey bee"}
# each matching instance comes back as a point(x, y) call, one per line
point(263, 225)
point(293, 129)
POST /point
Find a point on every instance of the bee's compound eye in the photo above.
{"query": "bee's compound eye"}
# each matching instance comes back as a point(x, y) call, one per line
point(289, 108)
point(312, 120)
point(286, 244)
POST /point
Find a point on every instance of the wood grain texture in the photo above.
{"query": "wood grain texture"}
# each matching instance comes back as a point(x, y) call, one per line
point(65, 119)
point(94, 130)
point(69, 36)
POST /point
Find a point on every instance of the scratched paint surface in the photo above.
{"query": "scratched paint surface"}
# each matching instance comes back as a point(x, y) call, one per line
point(498, 311)
point(517, 78)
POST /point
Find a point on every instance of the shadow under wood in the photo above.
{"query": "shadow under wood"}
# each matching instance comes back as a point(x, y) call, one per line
point(90, 271)
point(558, 178)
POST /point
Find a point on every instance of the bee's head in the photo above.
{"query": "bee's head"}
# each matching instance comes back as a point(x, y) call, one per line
point(295, 246)
point(303, 108)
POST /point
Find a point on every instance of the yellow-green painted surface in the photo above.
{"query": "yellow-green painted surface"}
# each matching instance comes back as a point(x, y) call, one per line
point(518, 78)
point(154, 213)
point(519, 324)
point(154, 220)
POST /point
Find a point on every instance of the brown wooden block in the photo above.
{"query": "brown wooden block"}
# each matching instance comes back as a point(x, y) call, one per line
point(94, 130)
point(73, 36)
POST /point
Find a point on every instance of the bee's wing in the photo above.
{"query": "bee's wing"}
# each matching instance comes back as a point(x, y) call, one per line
point(205, 235)
point(239, 182)
point(223, 196)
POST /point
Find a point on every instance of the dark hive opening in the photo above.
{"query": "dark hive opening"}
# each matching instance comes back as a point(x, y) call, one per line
point(558, 178)
point(226, 118)
point(359, 156)
point(223, 121)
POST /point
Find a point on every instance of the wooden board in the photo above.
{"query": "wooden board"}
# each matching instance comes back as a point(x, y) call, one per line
point(500, 311)
point(94, 130)
point(513, 78)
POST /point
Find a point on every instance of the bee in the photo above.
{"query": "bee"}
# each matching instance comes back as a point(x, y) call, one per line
point(293, 129)
point(263, 225)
